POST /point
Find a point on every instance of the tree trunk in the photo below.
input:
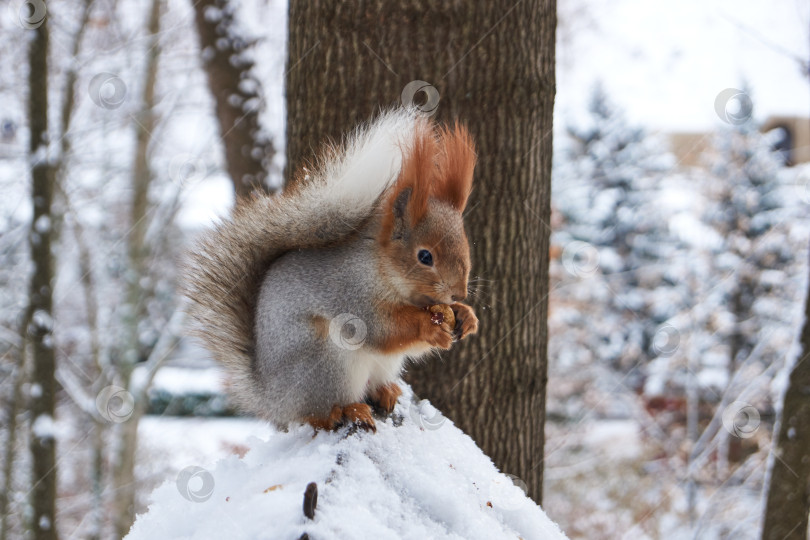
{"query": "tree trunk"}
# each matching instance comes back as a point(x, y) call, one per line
point(788, 504)
point(127, 432)
point(237, 95)
point(40, 329)
point(10, 444)
point(492, 64)
point(98, 426)
point(97, 480)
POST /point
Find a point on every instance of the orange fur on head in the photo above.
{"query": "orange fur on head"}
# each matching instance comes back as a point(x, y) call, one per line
point(456, 165)
point(439, 168)
point(418, 173)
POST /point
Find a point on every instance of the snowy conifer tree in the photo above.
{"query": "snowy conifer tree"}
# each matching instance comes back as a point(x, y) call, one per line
point(606, 190)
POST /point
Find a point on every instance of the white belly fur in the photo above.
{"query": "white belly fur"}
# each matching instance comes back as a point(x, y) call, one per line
point(369, 369)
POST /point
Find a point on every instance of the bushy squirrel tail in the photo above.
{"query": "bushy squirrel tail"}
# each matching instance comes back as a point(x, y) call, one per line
point(324, 206)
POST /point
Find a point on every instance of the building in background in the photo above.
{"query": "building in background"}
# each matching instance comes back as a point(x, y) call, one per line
point(793, 143)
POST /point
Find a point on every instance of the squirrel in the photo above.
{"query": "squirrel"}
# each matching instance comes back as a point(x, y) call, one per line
point(314, 298)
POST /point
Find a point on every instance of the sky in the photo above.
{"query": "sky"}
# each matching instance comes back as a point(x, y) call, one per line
point(666, 62)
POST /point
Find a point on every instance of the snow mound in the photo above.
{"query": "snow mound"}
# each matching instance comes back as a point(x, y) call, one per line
point(418, 476)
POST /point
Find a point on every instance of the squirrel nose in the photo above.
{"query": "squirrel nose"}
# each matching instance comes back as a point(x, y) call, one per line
point(460, 294)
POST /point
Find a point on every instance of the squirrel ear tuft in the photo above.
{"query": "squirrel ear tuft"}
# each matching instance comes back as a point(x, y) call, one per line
point(419, 169)
point(408, 201)
point(456, 165)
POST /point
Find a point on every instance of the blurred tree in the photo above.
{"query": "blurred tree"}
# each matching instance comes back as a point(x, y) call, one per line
point(137, 271)
point(747, 211)
point(64, 149)
point(14, 282)
point(225, 52)
point(615, 160)
point(748, 214)
point(16, 374)
point(613, 232)
point(491, 64)
point(788, 503)
point(40, 315)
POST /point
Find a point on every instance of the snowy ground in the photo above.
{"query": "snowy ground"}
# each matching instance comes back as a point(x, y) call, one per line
point(404, 481)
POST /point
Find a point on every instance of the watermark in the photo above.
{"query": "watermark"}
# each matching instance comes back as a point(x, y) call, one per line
point(421, 95)
point(425, 415)
point(107, 90)
point(187, 169)
point(508, 492)
point(115, 404)
point(741, 419)
point(348, 331)
point(580, 259)
point(666, 340)
point(733, 106)
point(195, 484)
point(27, 14)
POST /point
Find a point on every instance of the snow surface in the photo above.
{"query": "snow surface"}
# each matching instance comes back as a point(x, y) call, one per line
point(615, 439)
point(179, 381)
point(401, 482)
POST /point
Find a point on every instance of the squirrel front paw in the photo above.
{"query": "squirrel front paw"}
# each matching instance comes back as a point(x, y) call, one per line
point(437, 331)
point(466, 321)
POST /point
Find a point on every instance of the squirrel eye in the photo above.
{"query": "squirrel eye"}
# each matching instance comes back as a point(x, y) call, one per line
point(425, 257)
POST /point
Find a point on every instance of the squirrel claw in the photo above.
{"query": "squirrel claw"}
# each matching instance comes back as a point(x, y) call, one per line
point(385, 397)
point(466, 321)
point(360, 415)
point(329, 423)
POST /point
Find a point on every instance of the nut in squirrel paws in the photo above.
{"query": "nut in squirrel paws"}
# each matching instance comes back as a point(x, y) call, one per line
point(440, 328)
point(385, 397)
point(466, 321)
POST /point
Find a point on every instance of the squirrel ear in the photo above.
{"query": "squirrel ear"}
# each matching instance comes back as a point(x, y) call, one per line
point(400, 212)
point(456, 165)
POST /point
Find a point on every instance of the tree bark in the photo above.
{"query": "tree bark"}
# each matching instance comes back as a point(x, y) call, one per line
point(788, 504)
point(40, 328)
point(237, 95)
point(493, 65)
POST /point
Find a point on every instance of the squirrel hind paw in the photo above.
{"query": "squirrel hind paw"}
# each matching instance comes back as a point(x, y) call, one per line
point(359, 414)
point(327, 423)
point(384, 398)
